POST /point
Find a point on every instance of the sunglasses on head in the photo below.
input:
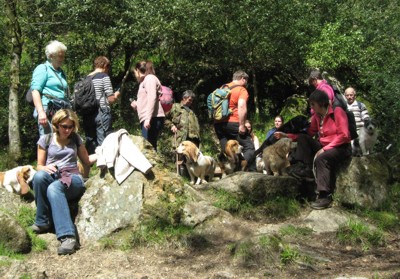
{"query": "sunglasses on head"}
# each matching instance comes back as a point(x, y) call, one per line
point(65, 126)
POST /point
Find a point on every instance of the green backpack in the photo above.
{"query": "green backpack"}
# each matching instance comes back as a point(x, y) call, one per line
point(218, 102)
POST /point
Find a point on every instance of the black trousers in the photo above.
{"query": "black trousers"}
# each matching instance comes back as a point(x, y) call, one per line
point(230, 130)
point(325, 165)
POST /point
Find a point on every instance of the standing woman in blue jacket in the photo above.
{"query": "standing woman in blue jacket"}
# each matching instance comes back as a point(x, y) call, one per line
point(49, 82)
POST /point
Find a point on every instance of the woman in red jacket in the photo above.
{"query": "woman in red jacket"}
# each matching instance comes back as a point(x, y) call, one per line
point(333, 147)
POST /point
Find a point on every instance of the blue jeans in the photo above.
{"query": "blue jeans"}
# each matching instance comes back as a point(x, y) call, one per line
point(52, 197)
point(151, 135)
point(97, 127)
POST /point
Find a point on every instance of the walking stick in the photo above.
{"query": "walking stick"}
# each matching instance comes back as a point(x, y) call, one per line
point(177, 156)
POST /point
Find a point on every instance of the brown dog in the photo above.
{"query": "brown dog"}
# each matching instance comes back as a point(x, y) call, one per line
point(17, 179)
point(231, 159)
point(275, 157)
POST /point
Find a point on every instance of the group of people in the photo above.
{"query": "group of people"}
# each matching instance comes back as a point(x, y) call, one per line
point(59, 182)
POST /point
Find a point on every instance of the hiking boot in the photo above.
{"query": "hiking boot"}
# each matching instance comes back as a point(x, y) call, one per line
point(41, 229)
point(68, 246)
point(301, 171)
point(322, 202)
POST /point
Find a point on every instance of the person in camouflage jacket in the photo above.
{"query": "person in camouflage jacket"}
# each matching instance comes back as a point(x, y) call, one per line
point(183, 122)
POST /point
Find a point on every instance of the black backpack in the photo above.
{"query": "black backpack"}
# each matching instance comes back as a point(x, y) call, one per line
point(84, 100)
point(340, 101)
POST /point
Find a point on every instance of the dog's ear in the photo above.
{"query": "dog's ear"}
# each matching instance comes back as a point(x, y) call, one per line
point(230, 149)
point(192, 151)
point(22, 181)
point(26, 172)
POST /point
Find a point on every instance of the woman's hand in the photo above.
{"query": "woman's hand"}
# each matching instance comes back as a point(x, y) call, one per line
point(42, 118)
point(146, 124)
point(134, 105)
point(279, 135)
point(174, 129)
point(50, 169)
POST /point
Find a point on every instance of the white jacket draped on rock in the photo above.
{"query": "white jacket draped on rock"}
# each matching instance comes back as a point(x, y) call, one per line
point(119, 151)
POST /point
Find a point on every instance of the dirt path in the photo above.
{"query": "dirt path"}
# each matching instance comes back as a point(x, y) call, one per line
point(334, 260)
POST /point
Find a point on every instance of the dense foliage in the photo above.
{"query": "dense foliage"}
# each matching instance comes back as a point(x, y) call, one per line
point(198, 44)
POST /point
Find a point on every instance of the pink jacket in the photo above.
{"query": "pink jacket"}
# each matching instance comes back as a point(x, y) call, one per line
point(148, 103)
point(334, 131)
point(324, 86)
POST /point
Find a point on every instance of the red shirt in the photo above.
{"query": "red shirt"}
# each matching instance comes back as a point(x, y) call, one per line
point(334, 130)
point(239, 92)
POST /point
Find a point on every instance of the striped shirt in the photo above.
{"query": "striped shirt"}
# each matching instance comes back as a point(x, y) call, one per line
point(360, 113)
point(103, 88)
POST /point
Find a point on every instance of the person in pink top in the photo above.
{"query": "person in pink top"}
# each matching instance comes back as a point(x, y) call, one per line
point(328, 152)
point(150, 112)
point(317, 81)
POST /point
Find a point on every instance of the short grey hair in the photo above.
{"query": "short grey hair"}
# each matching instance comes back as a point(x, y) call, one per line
point(238, 75)
point(54, 47)
point(188, 94)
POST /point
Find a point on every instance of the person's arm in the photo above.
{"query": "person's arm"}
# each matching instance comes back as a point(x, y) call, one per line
point(151, 87)
point(242, 112)
point(114, 97)
point(37, 101)
point(364, 112)
point(41, 161)
point(84, 157)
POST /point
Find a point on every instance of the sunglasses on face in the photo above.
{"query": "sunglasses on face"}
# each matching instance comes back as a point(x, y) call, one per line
point(65, 126)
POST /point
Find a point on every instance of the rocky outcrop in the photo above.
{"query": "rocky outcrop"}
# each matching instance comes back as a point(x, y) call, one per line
point(364, 182)
point(108, 207)
point(13, 236)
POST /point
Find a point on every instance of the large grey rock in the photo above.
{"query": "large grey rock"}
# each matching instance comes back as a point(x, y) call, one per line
point(107, 206)
point(364, 182)
point(328, 220)
point(257, 186)
point(13, 236)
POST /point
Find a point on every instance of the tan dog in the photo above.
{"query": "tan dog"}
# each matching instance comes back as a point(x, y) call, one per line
point(231, 159)
point(275, 157)
point(17, 179)
point(197, 164)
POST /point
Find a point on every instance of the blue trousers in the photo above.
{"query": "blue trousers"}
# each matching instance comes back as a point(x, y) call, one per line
point(52, 197)
point(97, 127)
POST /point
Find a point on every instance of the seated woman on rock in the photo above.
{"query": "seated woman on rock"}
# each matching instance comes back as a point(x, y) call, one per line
point(321, 157)
point(58, 181)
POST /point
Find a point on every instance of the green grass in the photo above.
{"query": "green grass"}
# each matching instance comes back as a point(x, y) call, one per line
point(359, 234)
point(279, 208)
point(160, 232)
point(6, 252)
point(26, 217)
point(291, 230)
point(230, 202)
point(289, 254)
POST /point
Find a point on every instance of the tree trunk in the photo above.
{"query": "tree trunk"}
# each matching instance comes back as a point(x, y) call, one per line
point(13, 122)
point(255, 86)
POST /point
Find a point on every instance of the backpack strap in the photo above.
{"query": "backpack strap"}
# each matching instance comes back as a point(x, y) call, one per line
point(49, 137)
point(230, 87)
point(48, 140)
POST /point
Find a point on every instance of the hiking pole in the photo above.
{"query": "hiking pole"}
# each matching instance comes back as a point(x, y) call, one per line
point(177, 155)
